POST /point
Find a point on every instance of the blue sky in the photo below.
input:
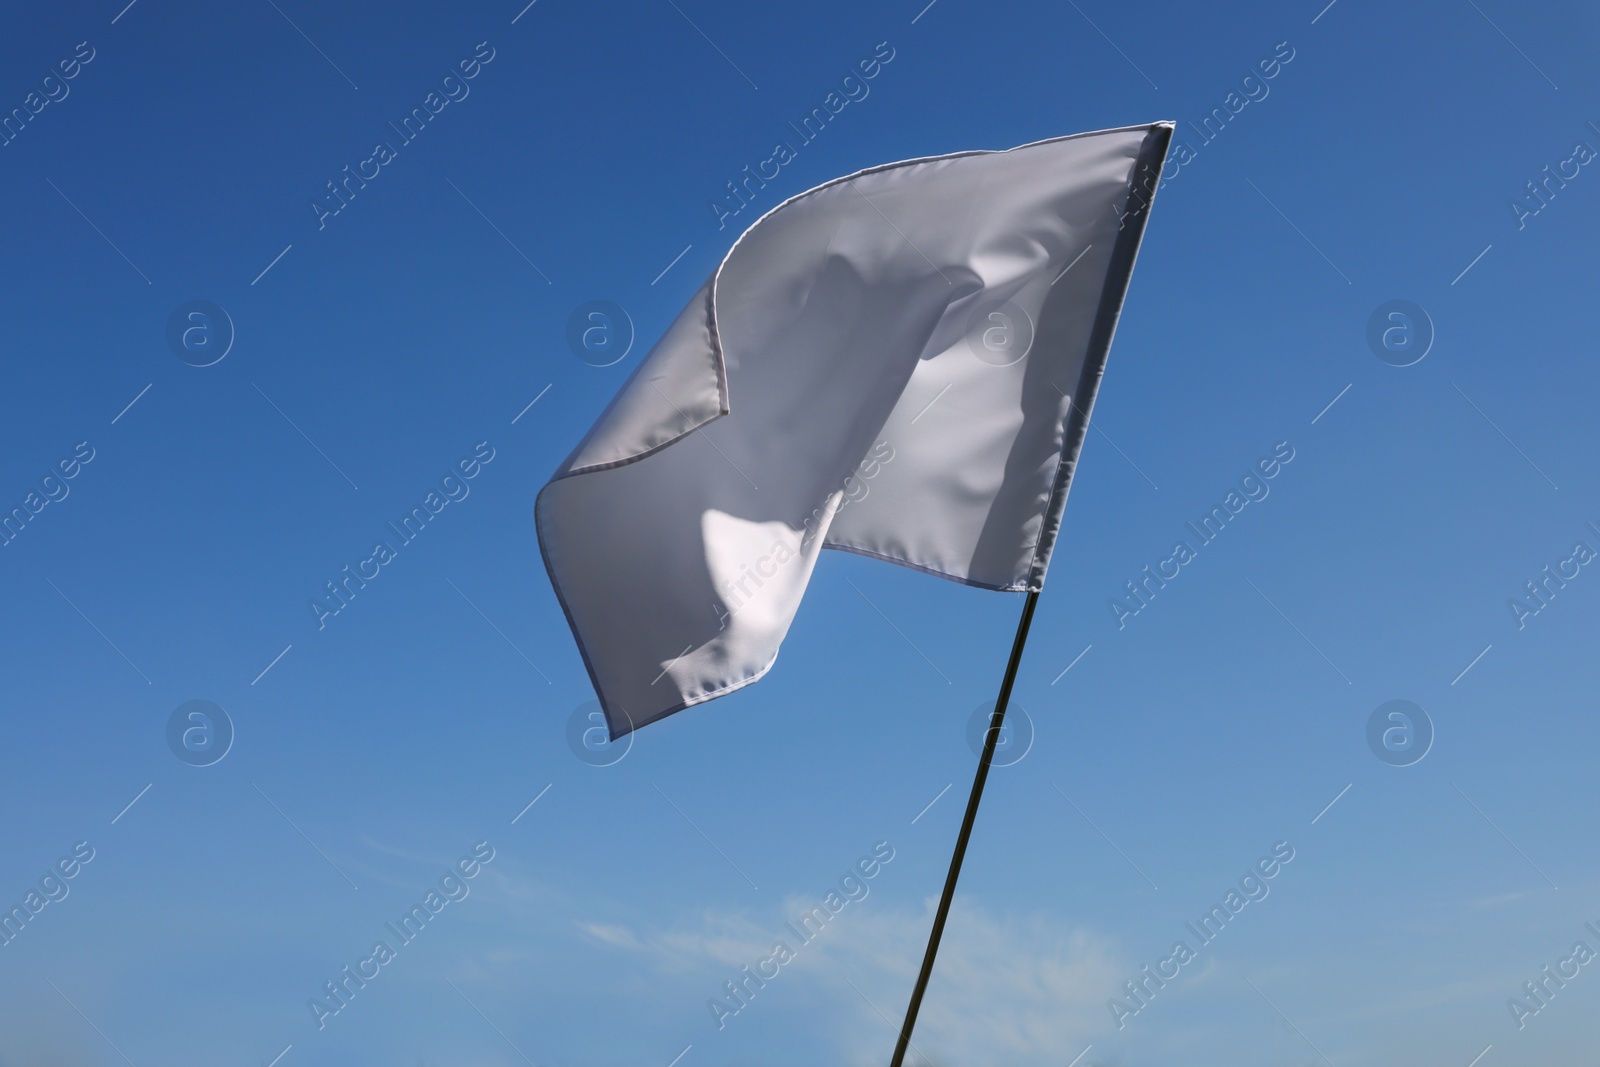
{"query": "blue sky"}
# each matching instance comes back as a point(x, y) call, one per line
point(376, 348)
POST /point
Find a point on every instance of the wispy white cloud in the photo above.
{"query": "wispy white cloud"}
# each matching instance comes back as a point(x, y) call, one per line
point(1012, 989)
point(1008, 990)
point(1500, 901)
point(610, 934)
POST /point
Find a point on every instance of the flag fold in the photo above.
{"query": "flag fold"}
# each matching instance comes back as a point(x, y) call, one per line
point(898, 363)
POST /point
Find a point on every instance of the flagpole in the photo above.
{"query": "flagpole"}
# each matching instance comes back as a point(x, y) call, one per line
point(990, 741)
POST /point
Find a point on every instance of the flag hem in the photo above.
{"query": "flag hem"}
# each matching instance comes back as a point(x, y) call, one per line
point(1014, 587)
point(1119, 275)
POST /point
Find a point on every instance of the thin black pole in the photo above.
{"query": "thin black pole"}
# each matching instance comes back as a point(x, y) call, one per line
point(991, 739)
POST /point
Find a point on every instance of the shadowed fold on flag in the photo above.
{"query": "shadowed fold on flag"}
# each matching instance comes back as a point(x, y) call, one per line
point(955, 310)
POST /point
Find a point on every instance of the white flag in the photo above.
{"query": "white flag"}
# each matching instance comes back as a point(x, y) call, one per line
point(898, 363)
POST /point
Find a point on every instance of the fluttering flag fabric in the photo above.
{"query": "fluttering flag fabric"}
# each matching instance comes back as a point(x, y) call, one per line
point(898, 363)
